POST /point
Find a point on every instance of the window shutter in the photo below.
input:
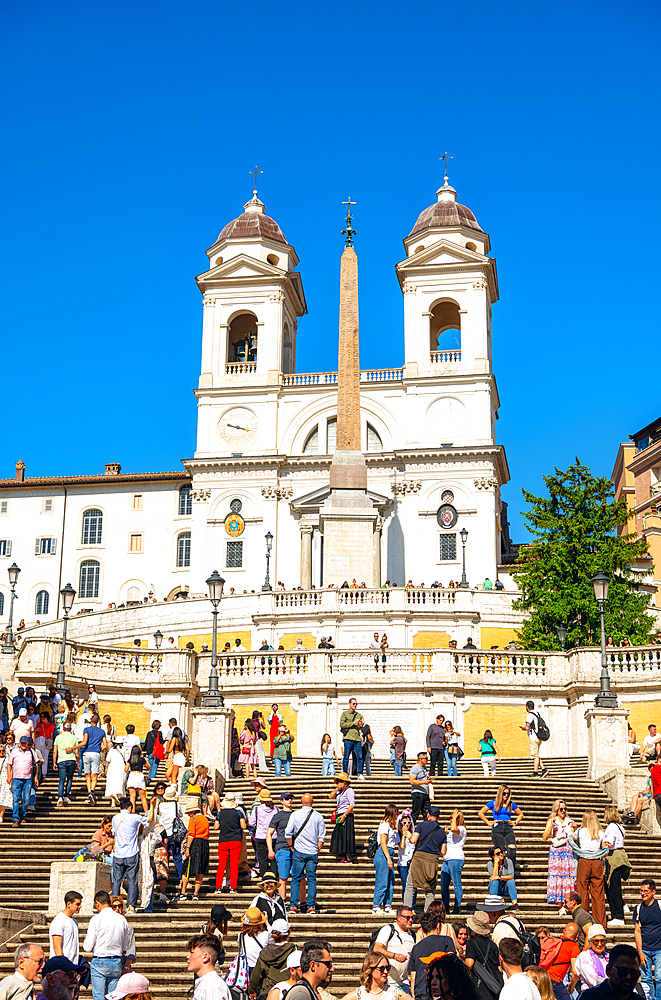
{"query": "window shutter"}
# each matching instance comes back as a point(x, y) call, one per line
point(53, 546)
point(8, 549)
point(37, 546)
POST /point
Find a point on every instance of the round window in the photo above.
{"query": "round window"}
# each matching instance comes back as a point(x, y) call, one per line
point(235, 506)
point(447, 496)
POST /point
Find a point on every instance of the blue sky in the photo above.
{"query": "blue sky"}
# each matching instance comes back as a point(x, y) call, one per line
point(129, 130)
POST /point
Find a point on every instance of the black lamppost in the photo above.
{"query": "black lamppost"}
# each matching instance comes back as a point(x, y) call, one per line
point(605, 698)
point(8, 646)
point(561, 633)
point(269, 544)
point(464, 536)
point(158, 638)
point(68, 594)
point(213, 698)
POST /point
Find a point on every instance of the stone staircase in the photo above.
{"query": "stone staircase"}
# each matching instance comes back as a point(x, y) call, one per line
point(344, 894)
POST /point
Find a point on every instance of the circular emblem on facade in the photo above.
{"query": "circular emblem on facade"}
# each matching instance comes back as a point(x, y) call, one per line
point(446, 516)
point(234, 525)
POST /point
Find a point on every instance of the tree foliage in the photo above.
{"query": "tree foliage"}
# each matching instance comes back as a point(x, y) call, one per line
point(574, 531)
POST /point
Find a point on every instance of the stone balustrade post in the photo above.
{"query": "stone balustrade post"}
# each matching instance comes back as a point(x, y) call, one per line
point(608, 746)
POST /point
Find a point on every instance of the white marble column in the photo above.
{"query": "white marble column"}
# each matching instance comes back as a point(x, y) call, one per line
point(306, 556)
point(376, 553)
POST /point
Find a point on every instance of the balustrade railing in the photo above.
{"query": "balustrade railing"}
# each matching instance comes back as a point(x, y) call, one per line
point(444, 357)
point(338, 599)
point(240, 368)
point(500, 664)
point(330, 378)
point(631, 659)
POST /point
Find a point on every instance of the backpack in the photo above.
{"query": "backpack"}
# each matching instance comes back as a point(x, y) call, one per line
point(532, 948)
point(372, 845)
point(375, 934)
point(550, 950)
point(542, 730)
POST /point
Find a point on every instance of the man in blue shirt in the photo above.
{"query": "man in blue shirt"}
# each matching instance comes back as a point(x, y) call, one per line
point(93, 742)
point(126, 853)
point(430, 842)
point(305, 834)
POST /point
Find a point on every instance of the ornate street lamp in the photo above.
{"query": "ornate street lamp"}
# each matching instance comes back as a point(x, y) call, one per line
point(68, 595)
point(13, 571)
point(605, 698)
point(269, 544)
point(464, 536)
point(213, 698)
point(561, 633)
point(158, 638)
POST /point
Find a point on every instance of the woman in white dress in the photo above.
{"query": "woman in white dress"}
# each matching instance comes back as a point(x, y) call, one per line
point(374, 980)
point(115, 775)
point(148, 843)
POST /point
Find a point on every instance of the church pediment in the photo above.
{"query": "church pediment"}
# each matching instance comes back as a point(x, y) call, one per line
point(311, 502)
point(241, 266)
point(443, 252)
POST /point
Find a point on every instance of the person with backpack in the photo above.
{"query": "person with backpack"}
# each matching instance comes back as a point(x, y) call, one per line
point(502, 825)
point(482, 957)
point(558, 954)
point(538, 733)
point(395, 942)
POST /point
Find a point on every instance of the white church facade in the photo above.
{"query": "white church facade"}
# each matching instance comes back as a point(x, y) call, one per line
point(266, 435)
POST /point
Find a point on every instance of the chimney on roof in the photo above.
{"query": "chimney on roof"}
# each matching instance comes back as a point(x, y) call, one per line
point(20, 471)
point(113, 468)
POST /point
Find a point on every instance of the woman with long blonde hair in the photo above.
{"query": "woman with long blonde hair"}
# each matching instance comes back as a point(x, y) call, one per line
point(561, 877)
point(453, 862)
point(374, 980)
point(384, 861)
point(590, 870)
point(542, 981)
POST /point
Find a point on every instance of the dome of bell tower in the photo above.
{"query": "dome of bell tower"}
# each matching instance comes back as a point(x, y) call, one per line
point(253, 223)
point(446, 212)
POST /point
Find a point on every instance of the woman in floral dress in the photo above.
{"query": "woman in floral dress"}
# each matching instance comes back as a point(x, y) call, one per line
point(562, 869)
point(248, 755)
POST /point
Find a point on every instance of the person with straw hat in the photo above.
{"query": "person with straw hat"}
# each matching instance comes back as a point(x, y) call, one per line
point(196, 855)
point(480, 949)
point(343, 839)
point(253, 936)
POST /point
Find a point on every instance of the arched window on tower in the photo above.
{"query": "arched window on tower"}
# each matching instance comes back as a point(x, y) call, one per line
point(374, 442)
point(311, 446)
point(41, 603)
point(185, 501)
point(242, 340)
point(445, 333)
point(287, 353)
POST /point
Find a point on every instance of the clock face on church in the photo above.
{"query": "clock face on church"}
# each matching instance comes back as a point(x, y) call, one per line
point(238, 426)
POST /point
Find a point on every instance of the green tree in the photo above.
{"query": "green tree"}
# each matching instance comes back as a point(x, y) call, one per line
point(575, 535)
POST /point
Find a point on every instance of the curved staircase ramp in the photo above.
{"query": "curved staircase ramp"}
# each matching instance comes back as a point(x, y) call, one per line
point(344, 893)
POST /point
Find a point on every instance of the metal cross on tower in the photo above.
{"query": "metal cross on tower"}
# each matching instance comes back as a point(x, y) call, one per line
point(349, 232)
point(255, 171)
point(444, 159)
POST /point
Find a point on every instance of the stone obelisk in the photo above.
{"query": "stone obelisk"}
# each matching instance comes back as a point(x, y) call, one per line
point(348, 516)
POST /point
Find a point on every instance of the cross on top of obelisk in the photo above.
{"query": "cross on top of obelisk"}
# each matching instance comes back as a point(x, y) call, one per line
point(349, 232)
point(255, 171)
point(444, 159)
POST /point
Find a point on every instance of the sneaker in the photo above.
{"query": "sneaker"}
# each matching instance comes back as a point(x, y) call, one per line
point(361, 777)
point(627, 908)
point(90, 800)
point(562, 912)
point(130, 909)
point(388, 909)
point(377, 911)
point(196, 898)
point(615, 923)
point(162, 898)
point(233, 892)
point(544, 772)
point(535, 774)
point(218, 892)
point(31, 809)
point(293, 909)
point(313, 911)
point(60, 803)
point(67, 800)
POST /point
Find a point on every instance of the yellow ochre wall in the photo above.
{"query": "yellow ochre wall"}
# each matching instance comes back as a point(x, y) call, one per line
point(124, 713)
point(288, 640)
point(431, 640)
point(641, 714)
point(223, 637)
point(496, 637)
point(503, 721)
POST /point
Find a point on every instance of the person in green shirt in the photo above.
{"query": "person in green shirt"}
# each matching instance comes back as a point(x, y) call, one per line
point(65, 763)
point(488, 753)
point(351, 724)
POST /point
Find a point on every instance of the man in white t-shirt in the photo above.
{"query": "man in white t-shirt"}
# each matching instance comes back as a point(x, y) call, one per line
point(63, 930)
point(650, 743)
point(22, 726)
point(534, 742)
point(394, 942)
point(518, 986)
point(203, 953)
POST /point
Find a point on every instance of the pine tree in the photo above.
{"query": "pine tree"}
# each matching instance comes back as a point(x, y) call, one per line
point(574, 531)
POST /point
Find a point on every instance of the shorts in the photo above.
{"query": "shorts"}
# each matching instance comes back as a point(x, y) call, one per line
point(534, 744)
point(283, 860)
point(136, 780)
point(91, 762)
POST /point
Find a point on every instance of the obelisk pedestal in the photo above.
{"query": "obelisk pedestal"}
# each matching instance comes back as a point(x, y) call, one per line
point(348, 517)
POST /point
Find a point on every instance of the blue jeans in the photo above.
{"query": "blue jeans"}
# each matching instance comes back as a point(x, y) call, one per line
point(508, 888)
point(174, 851)
point(20, 790)
point(327, 767)
point(106, 973)
point(357, 747)
point(451, 870)
point(384, 878)
point(279, 765)
point(66, 770)
point(403, 877)
point(303, 864)
point(451, 764)
point(652, 976)
point(398, 771)
point(126, 867)
point(153, 766)
point(367, 758)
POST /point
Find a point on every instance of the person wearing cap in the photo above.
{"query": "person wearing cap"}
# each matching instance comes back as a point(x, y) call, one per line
point(131, 986)
point(230, 825)
point(430, 843)
point(29, 960)
point(18, 702)
point(590, 965)
point(217, 926)
point(22, 726)
point(479, 948)
point(19, 776)
point(260, 818)
point(269, 901)
point(109, 939)
point(294, 970)
point(203, 955)
point(253, 936)
point(271, 966)
point(64, 763)
point(60, 979)
point(63, 929)
point(280, 851)
point(305, 833)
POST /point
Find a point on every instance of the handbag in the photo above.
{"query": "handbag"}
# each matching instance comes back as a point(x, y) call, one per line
point(333, 816)
point(482, 976)
point(237, 974)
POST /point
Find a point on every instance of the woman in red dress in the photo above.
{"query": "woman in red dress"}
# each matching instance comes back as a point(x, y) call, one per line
point(275, 719)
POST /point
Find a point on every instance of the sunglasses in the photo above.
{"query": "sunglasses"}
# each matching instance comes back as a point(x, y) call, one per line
point(385, 969)
point(626, 973)
point(322, 961)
